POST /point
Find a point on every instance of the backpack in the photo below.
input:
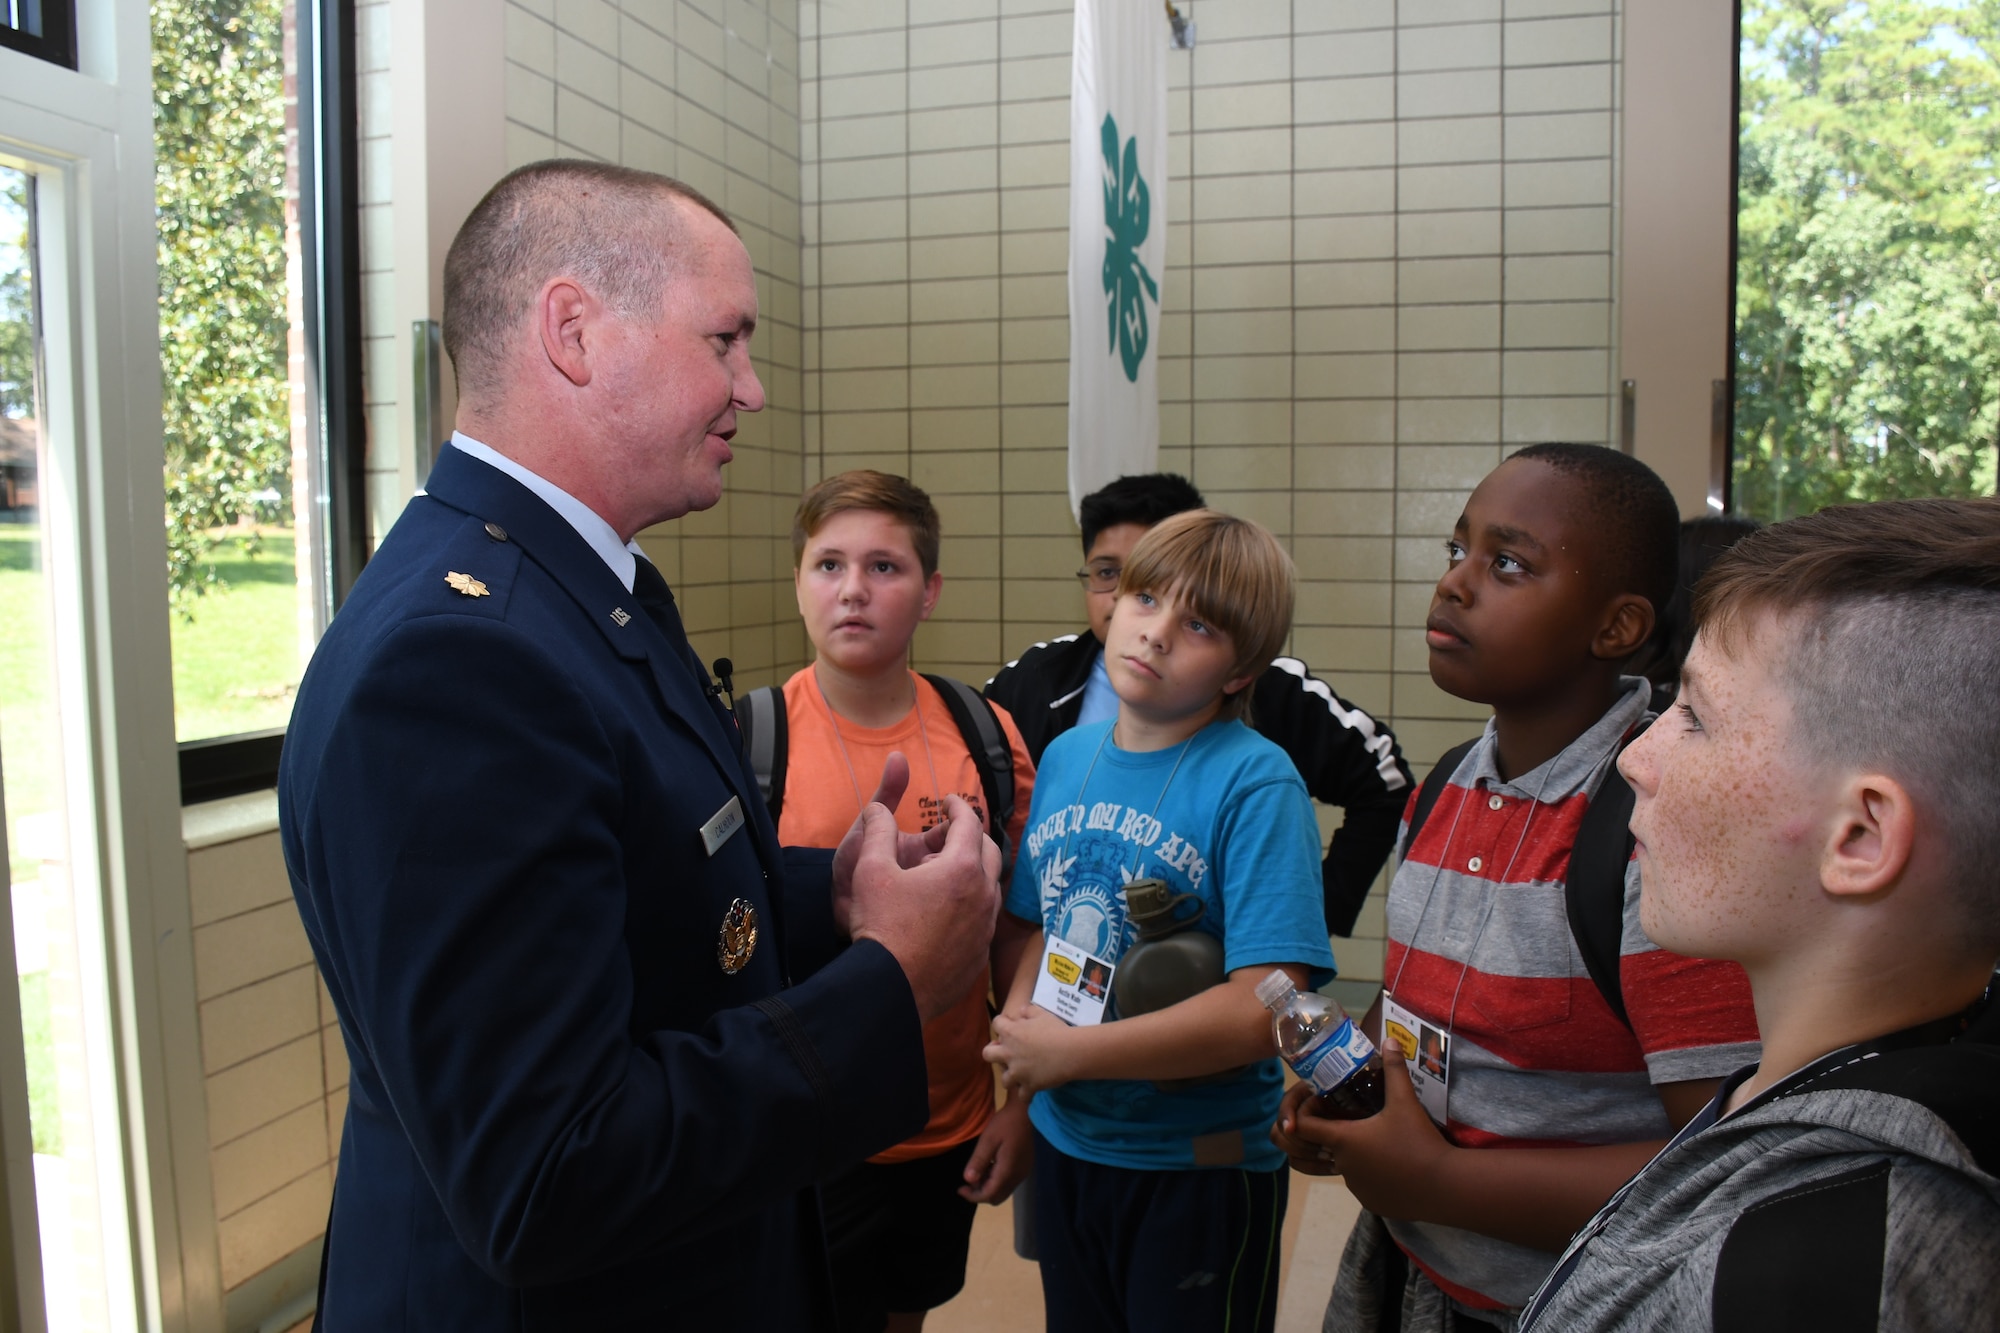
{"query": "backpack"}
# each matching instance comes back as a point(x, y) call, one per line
point(761, 718)
point(1594, 893)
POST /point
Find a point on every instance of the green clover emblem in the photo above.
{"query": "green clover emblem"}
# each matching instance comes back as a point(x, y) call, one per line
point(1127, 215)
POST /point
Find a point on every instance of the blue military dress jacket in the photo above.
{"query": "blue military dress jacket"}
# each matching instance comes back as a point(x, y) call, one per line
point(565, 1110)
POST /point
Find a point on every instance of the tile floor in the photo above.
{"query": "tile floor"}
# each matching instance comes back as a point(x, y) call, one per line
point(1003, 1294)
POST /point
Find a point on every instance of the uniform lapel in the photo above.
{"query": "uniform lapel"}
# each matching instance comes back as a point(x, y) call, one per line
point(546, 537)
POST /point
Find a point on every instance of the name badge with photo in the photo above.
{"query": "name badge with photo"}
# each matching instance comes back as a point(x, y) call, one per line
point(1073, 985)
point(1426, 1054)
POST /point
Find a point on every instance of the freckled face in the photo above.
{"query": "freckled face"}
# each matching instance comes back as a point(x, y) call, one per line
point(1730, 819)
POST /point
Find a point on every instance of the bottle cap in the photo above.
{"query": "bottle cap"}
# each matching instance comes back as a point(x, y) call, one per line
point(1276, 989)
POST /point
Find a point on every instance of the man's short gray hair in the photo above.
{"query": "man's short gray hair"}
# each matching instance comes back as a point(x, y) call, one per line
point(611, 228)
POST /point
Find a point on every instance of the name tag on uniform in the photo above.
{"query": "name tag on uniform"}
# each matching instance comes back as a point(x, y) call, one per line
point(722, 826)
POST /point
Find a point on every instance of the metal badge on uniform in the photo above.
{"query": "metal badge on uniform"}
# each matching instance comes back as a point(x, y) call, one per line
point(722, 826)
point(738, 939)
point(1426, 1054)
point(465, 583)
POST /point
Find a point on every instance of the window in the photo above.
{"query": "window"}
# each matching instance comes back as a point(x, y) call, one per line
point(1868, 254)
point(63, 1022)
point(42, 28)
point(259, 305)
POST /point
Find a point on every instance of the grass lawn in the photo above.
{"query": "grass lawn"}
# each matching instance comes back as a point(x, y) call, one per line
point(236, 665)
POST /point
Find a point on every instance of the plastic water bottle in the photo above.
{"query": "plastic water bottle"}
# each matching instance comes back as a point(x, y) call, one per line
point(1325, 1048)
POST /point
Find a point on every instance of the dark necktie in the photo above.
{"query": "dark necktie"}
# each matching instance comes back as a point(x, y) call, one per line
point(649, 588)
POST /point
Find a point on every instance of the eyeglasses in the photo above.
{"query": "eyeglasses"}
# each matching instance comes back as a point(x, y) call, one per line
point(1099, 578)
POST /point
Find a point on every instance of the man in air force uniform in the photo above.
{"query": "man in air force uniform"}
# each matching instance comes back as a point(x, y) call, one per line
point(603, 1037)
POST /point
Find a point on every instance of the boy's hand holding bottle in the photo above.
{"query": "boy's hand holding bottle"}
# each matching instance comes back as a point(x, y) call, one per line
point(1393, 1161)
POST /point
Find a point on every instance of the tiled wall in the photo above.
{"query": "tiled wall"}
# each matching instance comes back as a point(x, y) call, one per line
point(385, 349)
point(705, 90)
point(1389, 259)
point(274, 1066)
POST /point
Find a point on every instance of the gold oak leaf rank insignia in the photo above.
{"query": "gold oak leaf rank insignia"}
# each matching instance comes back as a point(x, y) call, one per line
point(466, 584)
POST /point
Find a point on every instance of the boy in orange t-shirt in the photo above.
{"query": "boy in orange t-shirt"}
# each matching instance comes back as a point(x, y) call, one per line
point(866, 546)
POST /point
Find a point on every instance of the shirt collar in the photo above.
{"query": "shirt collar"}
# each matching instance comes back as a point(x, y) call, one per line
point(589, 525)
point(1576, 766)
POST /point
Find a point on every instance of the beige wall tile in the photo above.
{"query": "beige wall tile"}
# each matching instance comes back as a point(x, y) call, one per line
point(1343, 15)
point(250, 947)
point(1559, 278)
point(1448, 421)
point(1366, 97)
point(1458, 139)
point(1461, 92)
point(267, 1159)
point(1583, 420)
point(265, 1088)
point(1354, 329)
point(1350, 284)
point(1426, 235)
point(1364, 236)
point(257, 1018)
point(1450, 187)
point(1241, 197)
point(1242, 107)
point(1324, 147)
point(1557, 88)
point(1321, 466)
point(1543, 184)
point(230, 878)
point(1559, 41)
point(1343, 53)
point(1548, 373)
point(1569, 134)
point(1342, 514)
point(270, 1229)
point(1413, 12)
point(1451, 46)
point(1565, 324)
point(1558, 230)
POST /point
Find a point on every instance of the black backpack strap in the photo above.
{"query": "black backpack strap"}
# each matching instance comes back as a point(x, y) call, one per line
point(979, 727)
point(761, 719)
point(1594, 893)
point(1427, 795)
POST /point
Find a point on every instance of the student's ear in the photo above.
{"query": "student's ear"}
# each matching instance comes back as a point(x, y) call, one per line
point(1874, 830)
point(1627, 624)
point(932, 587)
point(563, 314)
point(1230, 687)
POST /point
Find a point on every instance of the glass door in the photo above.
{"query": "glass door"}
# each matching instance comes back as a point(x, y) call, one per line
point(62, 1019)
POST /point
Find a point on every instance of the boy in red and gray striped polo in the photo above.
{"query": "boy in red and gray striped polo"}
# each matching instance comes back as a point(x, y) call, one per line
point(1553, 572)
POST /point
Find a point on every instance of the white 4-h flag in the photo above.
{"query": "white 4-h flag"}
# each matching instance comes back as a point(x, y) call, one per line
point(1117, 239)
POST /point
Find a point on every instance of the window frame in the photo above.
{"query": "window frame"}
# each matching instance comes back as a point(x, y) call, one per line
point(55, 43)
point(330, 251)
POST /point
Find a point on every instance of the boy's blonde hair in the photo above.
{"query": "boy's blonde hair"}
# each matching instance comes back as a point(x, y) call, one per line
point(1229, 571)
point(873, 492)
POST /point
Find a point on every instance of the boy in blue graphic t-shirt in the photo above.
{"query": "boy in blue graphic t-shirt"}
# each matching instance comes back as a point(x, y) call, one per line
point(1158, 1195)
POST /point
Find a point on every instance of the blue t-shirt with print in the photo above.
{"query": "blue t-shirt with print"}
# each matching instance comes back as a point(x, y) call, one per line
point(1225, 818)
